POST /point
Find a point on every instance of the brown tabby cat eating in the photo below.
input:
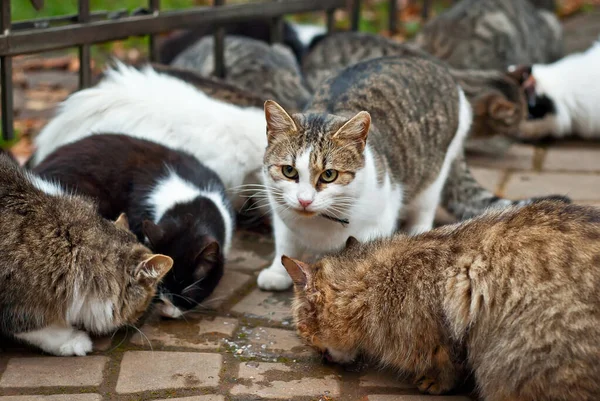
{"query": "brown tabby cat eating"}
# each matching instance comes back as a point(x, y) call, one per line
point(511, 296)
point(65, 269)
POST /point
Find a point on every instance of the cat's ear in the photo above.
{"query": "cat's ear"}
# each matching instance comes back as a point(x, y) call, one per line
point(519, 73)
point(500, 109)
point(152, 231)
point(351, 242)
point(298, 271)
point(278, 120)
point(355, 130)
point(152, 270)
point(122, 222)
point(211, 253)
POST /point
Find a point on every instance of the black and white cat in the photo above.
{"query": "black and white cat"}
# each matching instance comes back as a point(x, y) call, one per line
point(563, 97)
point(170, 198)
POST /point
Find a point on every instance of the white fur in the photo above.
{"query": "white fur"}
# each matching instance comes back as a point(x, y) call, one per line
point(154, 106)
point(423, 207)
point(173, 189)
point(90, 312)
point(373, 209)
point(573, 83)
point(48, 187)
point(61, 341)
point(307, 32)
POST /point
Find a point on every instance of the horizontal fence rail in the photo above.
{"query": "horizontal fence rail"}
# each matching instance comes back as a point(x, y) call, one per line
point(88, 27)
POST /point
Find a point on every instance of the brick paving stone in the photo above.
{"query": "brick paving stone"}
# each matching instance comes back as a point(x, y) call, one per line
point(382, 397)
point(102, 344)
point(384, 378)
point(249, 252)
point(54, 371)
point(269, 342)
point(185, 333)
point(276, 380)
point(196, 398)
point(62, 397)
point(572, 159)
point(517, 157)
point(229, 285)
point(274, 306)
point(576, 186)
point(156, 370)
point(487, 178)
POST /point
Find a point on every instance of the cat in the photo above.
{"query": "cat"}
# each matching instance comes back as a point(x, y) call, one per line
point(493, 34)
point(258, 29)
point(66, 271)
point(510, 297)
point(326, 182)
point(159, 107)
point(213, 87)
point(171, 199)
point(269, 71)
point(496, 97)
point(560, 107)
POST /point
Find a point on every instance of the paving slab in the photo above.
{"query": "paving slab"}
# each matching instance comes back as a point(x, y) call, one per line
point(577, 186)
point(62, 397)
point(266, 342)
point(381, 397)
point(384, 378)
point(197, 398)
point(572, 159)
point(279, 381)
point(231, 283)
point(53, 371)
point(267, 305)
point(157, 370)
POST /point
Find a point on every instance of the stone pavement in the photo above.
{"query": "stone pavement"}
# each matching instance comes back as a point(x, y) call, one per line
point(242, 344)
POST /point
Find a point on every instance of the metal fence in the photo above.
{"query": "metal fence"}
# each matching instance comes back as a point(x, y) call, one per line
point(86, 28)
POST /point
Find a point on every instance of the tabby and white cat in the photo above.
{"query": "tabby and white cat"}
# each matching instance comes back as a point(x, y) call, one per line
point(268, 71)
point(65, 269)
point(496, 97)
point(562, 106)
point(509, 298)
point(327, 182)
point(493, 34)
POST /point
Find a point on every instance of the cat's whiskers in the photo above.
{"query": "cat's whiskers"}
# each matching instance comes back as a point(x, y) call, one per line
point(143, 336)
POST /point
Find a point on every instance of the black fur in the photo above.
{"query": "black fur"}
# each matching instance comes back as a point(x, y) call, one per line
point(120, 172)
point(255, 29)
point(541, 106)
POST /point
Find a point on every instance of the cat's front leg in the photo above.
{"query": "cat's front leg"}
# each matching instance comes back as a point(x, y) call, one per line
point(443, 376)
point(57, 340)
point(275, 277)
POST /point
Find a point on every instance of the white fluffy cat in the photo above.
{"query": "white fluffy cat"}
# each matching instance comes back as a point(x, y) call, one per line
point(150, 105)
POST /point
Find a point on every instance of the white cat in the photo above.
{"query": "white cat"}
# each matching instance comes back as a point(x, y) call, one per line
point(154, 106)
point(567, 95)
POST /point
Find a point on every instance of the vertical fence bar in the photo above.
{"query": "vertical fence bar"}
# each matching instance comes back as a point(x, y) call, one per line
point(154, 7)
point(425, 10)
point(355, 15)
point(393, 17)
point(330, 19)
point(219, 46)
point(6, 77)
point(85, 67)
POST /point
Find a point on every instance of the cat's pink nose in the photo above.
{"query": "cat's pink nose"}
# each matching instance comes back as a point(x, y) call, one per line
point(305, 202)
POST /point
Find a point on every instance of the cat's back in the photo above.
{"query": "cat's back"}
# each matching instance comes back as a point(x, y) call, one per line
point(527, 303)
point(492, 34)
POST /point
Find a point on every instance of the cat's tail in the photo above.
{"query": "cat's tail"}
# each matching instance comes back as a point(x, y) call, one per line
point(464, 197)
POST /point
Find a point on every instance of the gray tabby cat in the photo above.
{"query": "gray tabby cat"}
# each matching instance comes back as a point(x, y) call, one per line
point(497, 100)
point(65, 271)
point(493, 34)
point(268, 71)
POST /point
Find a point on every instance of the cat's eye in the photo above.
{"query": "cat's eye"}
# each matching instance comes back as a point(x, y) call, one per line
point(329, 176)
point(290, 172)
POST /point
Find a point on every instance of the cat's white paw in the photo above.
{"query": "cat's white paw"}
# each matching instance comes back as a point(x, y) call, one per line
point(79, 344)
point(274, 279)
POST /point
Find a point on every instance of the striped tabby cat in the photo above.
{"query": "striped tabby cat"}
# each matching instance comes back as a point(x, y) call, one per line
point(493, 34)
point(498, 103)
point(269, 71)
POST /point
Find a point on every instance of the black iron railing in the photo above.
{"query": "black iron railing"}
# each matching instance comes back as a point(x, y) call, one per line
point(87, 28)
